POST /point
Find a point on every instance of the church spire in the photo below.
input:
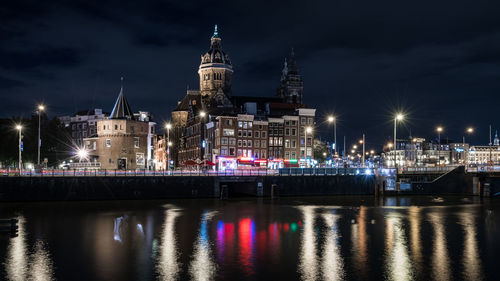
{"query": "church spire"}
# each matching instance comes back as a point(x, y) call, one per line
point(293, 64)
point(122, 109)
point(216, 33)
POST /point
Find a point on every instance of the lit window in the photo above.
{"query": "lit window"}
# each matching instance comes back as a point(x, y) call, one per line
point(108, 142)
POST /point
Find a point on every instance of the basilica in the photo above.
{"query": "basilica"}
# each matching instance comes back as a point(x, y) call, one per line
point(214, 125)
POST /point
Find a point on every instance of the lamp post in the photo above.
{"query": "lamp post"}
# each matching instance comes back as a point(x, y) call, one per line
point(202, 133)
point(362, 141)
point(398, 117)
point(469, 131)
point(332, 119)
point(20, 128)
point(439, 130)
point(307, 130)
point(41, 108)
point(168, 126)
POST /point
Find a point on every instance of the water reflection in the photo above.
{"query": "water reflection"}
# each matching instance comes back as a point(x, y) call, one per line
point(168, 264)
point(440, 259)
point(308, 259)
point(203, 267)
point(246, 238)
point(359, 243)
point(398, 261)
point(23, 264)
point(17, 262)
point(332, 264)
point(471, 260)
point(416, 250)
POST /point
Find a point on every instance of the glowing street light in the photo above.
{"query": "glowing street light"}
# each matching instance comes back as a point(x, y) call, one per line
point(332, 119)
point(355, 146)
point(202, 114)
point(439, 129)
point(168, 126)
point(82, 154)
point(398, 117)
point(19, 127)
point(307, 130)
point(40, 108)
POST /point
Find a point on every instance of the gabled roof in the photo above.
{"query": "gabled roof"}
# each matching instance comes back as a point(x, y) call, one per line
point(122, 109)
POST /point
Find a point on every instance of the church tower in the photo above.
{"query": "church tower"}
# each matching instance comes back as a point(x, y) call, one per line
point(291, 85)
point(215, 70)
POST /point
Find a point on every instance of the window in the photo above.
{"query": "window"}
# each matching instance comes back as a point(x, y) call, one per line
point(223, 151)
point(263, 144)
point(256, 134)
point(231, 151)
point(249, 143)
point(229, 122)
point(293, 155)
point(256, 155)
point(245, 133)
point(287, 123)
point(228, 132)
point(287, 155)
point(249, 125)
point(136, 142)
point(294, 132)
point(245, 125)
point(94, 145)
point(260, 127)
point(232, 141)
point(240, 152)
point(263, 153)
point(240, 124)
point(239, 143)
point(108, 142)
point(263, 134)
point(294, 144)
point(131, 129)
point(302, 120)
point(249, 134)
point(239, 133)
point(270, 141)
point(224, 141)
point(116, 127)
point(257, 143)
point(310, 121)
point(287, 132)
point(287, 143)
point(244, 143)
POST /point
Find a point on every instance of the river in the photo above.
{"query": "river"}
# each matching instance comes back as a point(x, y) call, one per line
point(315, 238)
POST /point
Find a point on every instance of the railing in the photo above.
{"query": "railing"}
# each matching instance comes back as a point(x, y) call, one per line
point(228, 173)
point(428, 170)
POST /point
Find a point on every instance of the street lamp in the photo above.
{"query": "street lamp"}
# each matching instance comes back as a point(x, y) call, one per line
point(332, 119)
point(308, 130)
point(20, 147)
point(469, 131)
point(82, 153)
point(168, 126)
point(202, 134)
point(439, 129)
point(40, 108)
point(398, 117)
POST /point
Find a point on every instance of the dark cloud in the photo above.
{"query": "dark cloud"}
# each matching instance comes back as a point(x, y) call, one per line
point(438, 60)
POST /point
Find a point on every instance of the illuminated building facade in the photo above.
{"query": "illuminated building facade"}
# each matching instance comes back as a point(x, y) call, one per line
point(213, 124)
point(123, 141)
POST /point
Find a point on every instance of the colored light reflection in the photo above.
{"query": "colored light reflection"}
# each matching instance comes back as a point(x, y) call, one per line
point(203, 267)
point(246, 238)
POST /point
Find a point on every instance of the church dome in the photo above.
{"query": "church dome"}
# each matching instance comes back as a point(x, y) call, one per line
point(215, 54)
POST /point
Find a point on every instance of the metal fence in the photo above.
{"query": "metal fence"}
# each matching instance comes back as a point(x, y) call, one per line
point(229, 173)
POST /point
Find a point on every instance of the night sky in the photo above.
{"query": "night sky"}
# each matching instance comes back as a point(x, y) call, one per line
point(439, 61)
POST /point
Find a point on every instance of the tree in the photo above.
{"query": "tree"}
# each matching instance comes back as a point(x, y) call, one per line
point(320, 150)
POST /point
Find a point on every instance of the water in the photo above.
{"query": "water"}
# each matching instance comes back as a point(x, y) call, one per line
point(329, 238)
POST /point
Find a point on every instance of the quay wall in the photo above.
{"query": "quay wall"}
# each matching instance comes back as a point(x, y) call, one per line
point(162, 187)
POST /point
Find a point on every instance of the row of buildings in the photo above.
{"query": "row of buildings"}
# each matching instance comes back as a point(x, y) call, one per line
point(214, 127)
point(415, 152)
point(210, 126)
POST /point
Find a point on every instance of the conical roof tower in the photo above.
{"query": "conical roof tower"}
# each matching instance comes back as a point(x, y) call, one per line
point(122, 109)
